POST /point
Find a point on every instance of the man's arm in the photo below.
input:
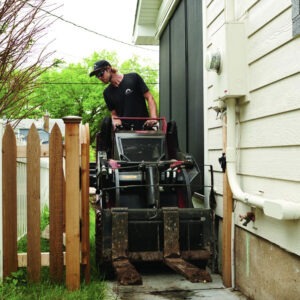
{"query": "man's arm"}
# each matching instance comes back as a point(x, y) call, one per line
point(115, 122)
point(151, 104)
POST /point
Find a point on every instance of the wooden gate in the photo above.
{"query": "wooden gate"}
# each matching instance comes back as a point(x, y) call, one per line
point(68, 203)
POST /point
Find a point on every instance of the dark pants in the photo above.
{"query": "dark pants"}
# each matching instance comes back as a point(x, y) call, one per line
point(104, 137)
point(172, 140)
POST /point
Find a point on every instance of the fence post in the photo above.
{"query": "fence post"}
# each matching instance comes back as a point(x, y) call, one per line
point(72, 202)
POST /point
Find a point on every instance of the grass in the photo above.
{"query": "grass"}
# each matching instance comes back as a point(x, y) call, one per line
point(16, 286)
point(92, 154)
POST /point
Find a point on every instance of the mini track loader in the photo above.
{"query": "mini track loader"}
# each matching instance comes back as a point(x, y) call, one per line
point(145, 188)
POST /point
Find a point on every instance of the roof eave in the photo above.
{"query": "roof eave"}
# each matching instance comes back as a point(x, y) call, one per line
point(148, 32)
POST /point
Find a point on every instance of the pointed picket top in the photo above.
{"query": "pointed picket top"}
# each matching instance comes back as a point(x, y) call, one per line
point(33, 135)
point(55, 137)
point(55, 130)
point(9, 134)
point(9, 201)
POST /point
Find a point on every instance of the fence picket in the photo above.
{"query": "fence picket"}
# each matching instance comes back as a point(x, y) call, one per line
point(56, 204)
point(68, 203)
point(33, 206)
point(85, 163)
point(9, 204)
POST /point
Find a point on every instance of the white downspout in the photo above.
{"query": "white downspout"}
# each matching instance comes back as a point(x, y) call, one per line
point(275, 208)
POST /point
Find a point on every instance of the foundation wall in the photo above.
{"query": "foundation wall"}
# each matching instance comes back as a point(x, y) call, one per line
point(263, 270)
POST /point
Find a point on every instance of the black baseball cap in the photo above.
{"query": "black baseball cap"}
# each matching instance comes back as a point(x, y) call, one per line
point(101, 64)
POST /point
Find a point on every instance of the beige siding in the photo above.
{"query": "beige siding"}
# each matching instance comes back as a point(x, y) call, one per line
point(216, 24)
point(272, 36)
point(214, 9)
point(273, 99)
point(275, 66)
point(278, 163)
point(214, 140)
point(214, 120)
point(263, 12)
point(212, 158)
point(242, 7)
point(270, 186)
point(268, 127)
point(274, 131)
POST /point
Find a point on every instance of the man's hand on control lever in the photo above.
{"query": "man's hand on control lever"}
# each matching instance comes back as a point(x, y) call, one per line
point(117, 123)
point(150, 123)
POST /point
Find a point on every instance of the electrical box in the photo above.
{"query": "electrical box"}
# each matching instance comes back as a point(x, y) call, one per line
point(226, 57)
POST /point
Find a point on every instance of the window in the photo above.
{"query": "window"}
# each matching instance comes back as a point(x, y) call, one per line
point(141, 148)
point(22, 134)
point(296, 17)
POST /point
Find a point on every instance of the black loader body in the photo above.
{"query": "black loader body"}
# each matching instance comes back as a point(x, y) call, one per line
point(145, 206)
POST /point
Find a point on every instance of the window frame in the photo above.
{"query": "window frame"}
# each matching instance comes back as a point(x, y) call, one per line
point(296, 17)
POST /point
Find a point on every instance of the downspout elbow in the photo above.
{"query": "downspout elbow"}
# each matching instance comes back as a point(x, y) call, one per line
point(237, 192)
point(282, 209)
point(279, 209)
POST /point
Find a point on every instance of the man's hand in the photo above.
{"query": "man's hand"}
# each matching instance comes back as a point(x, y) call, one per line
point(150, 123)
point(116, 122)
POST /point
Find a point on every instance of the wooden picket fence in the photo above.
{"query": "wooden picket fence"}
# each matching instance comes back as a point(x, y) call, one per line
point(68, 203)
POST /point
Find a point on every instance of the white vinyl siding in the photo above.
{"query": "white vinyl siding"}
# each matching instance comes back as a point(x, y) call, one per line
point(268, 127)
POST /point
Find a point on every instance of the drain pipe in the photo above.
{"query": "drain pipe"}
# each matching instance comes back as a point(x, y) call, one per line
point(276, 208)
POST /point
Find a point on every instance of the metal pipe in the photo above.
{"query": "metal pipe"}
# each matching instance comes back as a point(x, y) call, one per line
point(152, 181)
point(276, 208)
point(232, 251)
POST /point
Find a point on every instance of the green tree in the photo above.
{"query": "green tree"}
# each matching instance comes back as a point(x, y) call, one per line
point(68, 89)
point(22, 61)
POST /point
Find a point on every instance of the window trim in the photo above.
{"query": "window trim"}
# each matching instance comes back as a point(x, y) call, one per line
point(296, 17)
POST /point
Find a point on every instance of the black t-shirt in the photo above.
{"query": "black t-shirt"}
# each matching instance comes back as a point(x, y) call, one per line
point(128, 98)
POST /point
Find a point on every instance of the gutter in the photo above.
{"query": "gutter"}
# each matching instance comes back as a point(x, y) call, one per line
point(276, 208)
point(165, 13)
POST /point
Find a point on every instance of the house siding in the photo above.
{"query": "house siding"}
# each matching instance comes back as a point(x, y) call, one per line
point(268, 137)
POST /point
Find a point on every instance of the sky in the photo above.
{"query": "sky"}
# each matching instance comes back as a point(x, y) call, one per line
point(105, 21)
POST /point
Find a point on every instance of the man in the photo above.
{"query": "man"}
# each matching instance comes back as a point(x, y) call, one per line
point(126, 95)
